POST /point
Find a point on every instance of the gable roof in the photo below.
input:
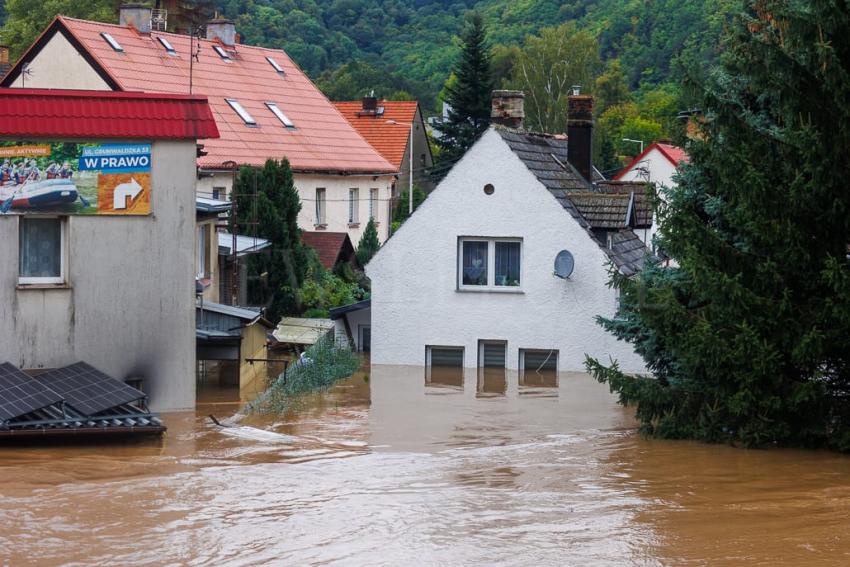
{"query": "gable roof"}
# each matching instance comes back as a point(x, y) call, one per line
point(640, 193)
point(331, 247)
point(387, 130)
point(48, 113)
point(545, 156)
point(321, 140)
point(674, 154)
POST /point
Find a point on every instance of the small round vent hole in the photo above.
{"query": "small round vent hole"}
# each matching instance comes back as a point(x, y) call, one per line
point(489, 189)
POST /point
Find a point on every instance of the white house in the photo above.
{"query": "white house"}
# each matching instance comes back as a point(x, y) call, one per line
point(657, 164)
point(468, 280)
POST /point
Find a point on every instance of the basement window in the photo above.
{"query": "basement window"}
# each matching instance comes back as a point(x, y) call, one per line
point(167, 45)
point(240, 110)
point(446, 356)
point(111, 41)
point(222, 53)
point(280, 115)
point(275, 65)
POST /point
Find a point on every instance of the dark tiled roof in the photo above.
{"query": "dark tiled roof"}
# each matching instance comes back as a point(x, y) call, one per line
point(545, 156)
point(644, 193)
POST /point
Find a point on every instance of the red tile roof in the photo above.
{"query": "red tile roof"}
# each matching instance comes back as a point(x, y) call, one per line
point(389, 131)
point(330, 246)
point(47, 113)
point(322, 140)
point(674, 155)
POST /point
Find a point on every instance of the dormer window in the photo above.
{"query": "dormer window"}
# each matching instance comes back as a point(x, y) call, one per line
point(240, 110)
point(111, 41)
point(167, 45)
point(222, 53)
point(275, 65)
point(280, 115)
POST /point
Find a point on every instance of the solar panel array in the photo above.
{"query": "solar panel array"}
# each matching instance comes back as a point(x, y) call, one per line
point(20, 394)
point(88, 390)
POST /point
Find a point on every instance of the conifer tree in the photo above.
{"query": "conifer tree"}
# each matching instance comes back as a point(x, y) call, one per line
point(468, 95)
point(747, 339)
point(368, 244)
point(268, 206)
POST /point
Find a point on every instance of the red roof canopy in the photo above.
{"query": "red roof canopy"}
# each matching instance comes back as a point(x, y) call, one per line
point(321, 140)
point(387, 132)
point(46, 113)
point(674, 155)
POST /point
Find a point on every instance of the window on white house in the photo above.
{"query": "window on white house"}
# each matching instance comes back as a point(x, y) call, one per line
point(41, 250)
point(492, 354)
point(219, 192)
point(353, 205)
point(490, 263)
point(373, 204)
point(320, 205)
point(536, 360)
point(240, 110)
point(450, 356)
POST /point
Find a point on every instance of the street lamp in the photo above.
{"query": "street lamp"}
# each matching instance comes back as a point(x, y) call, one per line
point(635, 142)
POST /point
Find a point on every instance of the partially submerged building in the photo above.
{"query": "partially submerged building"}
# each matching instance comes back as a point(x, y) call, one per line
point(97, 220)
point(264, 105)
point(506, 263)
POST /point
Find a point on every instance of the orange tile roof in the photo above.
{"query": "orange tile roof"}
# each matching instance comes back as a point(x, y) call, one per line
point(321, 141)
point(388, 132)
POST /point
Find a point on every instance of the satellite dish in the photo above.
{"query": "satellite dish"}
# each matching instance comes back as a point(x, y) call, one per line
point(564, 264)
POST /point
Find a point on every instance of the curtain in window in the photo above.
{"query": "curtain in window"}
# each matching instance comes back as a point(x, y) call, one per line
point(507, 263)
point(474, 263)
point(41, 248)
point(320, 206)
point(352, 205)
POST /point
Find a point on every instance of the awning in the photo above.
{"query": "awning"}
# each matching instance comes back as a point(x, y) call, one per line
point(205, 205)
point(244, 244)
point(302, 331)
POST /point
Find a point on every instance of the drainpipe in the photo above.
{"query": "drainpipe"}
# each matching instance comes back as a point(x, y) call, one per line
point(410, 174)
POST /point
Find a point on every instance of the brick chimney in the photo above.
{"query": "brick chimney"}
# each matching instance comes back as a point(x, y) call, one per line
point(223, 30)
point(370, 104)
point(580, 133)
point(507, 108)
point(135, 15)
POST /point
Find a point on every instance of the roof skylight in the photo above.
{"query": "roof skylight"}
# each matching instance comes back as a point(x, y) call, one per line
point(240, 110)
point(167, 45)
point(111, 41)
point(280, 115)
point(274, 64)
point(222, 53)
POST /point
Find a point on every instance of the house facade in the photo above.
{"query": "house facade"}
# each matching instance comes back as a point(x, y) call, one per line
point(264, 105)
point(469, 280)
point(97, 217)
point(396, 129)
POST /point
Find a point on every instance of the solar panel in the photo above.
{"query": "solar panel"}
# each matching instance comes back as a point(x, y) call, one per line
point(88, 390)
point(20, 394)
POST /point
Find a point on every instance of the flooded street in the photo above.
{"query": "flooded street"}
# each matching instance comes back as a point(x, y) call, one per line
point(409, 468)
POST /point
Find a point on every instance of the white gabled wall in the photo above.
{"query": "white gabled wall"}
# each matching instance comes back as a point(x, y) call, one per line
point(660, 170)
point(414, 298)
point(60, 66)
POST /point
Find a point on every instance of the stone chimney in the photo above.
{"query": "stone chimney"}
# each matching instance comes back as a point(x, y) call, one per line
point(370, 103)
point(580, 133)
point(223, 30)
point(135, 15)
point(507, 108)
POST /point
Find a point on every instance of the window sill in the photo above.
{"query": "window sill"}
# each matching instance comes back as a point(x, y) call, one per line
point(42, 286)
point(320, 226)
point(490, 290)
point(354, 225)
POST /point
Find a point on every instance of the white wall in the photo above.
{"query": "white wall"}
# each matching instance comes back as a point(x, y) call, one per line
point(129, 308)
point(60, 66)
point(660, 172)
point(336, 195)
point(414, 298)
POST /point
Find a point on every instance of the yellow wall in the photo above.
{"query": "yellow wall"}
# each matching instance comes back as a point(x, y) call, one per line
point(253, 377)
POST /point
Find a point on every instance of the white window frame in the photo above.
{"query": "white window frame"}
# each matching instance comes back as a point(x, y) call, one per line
point(284, 119)
point(353, 205)
point(203, 257)
point(241, 112)
point(113, 43)
point(491, 265)
point(63, 253)
point(166, 45)
point(276, 66)
point(373, 203)
point(222, 53)
point(321, 205)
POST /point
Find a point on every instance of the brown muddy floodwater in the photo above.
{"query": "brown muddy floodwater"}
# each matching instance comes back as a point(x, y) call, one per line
point(416, 469)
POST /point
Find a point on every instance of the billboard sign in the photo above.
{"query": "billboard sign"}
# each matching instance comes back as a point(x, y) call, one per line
point(71, 178)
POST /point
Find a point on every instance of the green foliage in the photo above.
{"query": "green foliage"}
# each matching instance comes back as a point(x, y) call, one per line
point(324, 364)
point(546, 69)
point(26, 19)
point(326, 290)
point(747, 338)
point(369, 243)
point(268, 206)
point(469, 96)
point(354, 80)
point(402, 209)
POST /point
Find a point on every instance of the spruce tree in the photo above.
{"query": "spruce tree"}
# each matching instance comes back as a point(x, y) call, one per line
point(268, 206)
point(368, 244)
point(747, 339)
point(468, 96)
